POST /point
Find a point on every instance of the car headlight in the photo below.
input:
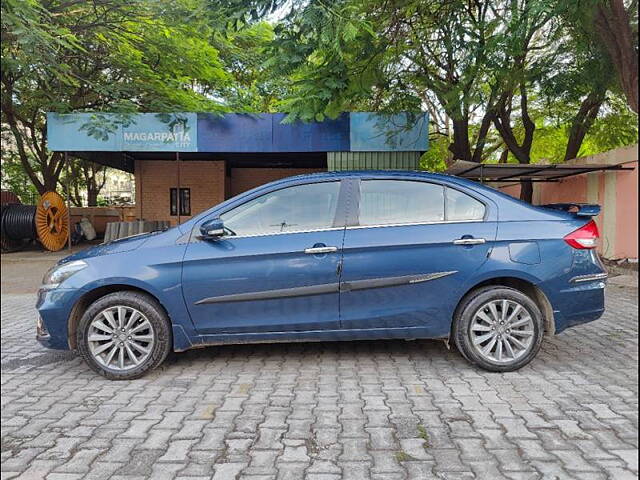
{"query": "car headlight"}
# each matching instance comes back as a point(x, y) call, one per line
point(59, 273)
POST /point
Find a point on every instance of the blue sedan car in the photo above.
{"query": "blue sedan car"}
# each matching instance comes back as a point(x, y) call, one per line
point(334, 256)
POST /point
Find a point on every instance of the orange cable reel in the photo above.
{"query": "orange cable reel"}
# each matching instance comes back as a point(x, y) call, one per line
point(52, 221)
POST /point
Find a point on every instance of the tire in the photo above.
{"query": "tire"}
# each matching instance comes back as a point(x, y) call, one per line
point(145, 342)
point(477, 324)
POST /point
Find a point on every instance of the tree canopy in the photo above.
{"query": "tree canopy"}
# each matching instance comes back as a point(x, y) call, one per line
point(507, 80)
point(119, 56)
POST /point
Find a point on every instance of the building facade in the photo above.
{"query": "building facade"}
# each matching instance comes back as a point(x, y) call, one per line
point(186, 162)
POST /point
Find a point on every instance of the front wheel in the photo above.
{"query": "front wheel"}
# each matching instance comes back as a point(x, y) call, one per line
point(498, 328)
point(124, 335)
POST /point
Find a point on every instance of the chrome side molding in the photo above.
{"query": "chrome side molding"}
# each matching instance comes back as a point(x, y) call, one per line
point(589, 278)
point(325, 288)
point(273, 294)
point(391, 281)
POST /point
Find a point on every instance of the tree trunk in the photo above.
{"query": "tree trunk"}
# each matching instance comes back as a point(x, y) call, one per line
point(50, 184)
point(613, 26)
point(94, 183)
point(460, 145)
point(582, 122)
point(76, 197)
point(92, 197)
point(51, 169)
point(485, 124)
point(522, 152)
point(526, 191)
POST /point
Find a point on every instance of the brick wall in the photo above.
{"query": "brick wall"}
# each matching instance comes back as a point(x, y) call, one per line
point(98, 216)
point(243, 179)
point(207, 182)
point(154, 178)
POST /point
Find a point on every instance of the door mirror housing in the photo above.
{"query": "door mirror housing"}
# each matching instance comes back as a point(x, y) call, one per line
point(212, 229)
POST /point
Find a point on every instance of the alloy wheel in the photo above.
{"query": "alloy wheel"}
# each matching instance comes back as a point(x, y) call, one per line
point(120, 338)
point(502, 331)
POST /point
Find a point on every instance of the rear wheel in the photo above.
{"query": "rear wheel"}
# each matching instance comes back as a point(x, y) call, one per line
point(124, 335)
point(498, 328)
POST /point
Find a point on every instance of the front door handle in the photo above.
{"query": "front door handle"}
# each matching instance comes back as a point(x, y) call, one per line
point(469, 241)
point(318, 250)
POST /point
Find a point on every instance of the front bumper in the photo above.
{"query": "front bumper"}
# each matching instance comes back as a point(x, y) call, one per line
point(54, 308)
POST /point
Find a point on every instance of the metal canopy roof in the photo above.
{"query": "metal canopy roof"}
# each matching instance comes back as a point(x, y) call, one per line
point(514, 172)
point(126, 160)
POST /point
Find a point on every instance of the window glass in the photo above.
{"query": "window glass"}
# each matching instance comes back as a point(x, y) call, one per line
point(181, 203)
point(185, 201)
point(461, 206)
point(173, 201)
point(384, 202)
point(303, 207)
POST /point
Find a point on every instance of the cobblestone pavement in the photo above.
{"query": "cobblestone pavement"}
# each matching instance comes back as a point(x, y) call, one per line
point(357, 410)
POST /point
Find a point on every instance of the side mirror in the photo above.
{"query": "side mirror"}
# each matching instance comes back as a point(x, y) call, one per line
point(212, 229)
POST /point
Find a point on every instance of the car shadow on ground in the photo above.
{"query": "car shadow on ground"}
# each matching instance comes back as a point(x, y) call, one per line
point(561, 352)
point(303, 350)
point(556, 353)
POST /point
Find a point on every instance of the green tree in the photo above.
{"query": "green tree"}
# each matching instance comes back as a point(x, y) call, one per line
point(255, 86)
point(392, 56)
point(616, 26)
point(525, 57)
point(478, 67)
point(111, 55)
point(616, 126)
point(15, 179)
point(80, 177)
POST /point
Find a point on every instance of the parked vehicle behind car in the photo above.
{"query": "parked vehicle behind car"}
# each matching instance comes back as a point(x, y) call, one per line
point(334, 256)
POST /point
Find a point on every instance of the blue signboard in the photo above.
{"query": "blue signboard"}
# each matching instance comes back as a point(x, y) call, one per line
point(235, 132)
point(327, 136)
point(142, 132)
point(405, 132)
point(191, 132)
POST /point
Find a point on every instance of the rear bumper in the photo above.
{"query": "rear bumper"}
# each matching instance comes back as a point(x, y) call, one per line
point(581, 302)
point(54, 308)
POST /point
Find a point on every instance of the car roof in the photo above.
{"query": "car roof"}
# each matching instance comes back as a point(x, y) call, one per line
point(389, 174)
point(368, 174)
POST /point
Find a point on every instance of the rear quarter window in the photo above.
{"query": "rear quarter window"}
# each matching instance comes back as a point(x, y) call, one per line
point(462, 207)
point(397, 202)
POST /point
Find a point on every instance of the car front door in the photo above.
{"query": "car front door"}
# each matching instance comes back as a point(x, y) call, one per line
point(276, 269)
point(409, 254)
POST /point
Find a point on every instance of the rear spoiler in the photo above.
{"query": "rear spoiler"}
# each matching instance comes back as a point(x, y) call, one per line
point(580, 209)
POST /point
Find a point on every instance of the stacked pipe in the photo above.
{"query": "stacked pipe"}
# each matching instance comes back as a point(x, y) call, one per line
point(116, 230)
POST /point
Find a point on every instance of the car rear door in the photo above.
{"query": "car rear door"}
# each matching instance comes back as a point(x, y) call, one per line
point(414, 246)
point(276, 269)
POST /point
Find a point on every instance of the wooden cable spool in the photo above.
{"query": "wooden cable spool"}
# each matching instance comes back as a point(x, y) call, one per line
point(52, 221)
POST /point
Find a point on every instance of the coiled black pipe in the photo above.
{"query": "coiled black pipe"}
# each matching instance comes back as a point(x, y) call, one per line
point(18, 222)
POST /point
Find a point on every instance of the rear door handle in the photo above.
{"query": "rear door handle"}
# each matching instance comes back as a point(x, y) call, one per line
point(469, 241)
point(317, 250)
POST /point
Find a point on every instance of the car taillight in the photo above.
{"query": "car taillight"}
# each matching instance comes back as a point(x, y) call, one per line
point(584, 237)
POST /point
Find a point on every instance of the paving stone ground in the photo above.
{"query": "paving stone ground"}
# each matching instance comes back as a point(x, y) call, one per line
point(357, 410)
